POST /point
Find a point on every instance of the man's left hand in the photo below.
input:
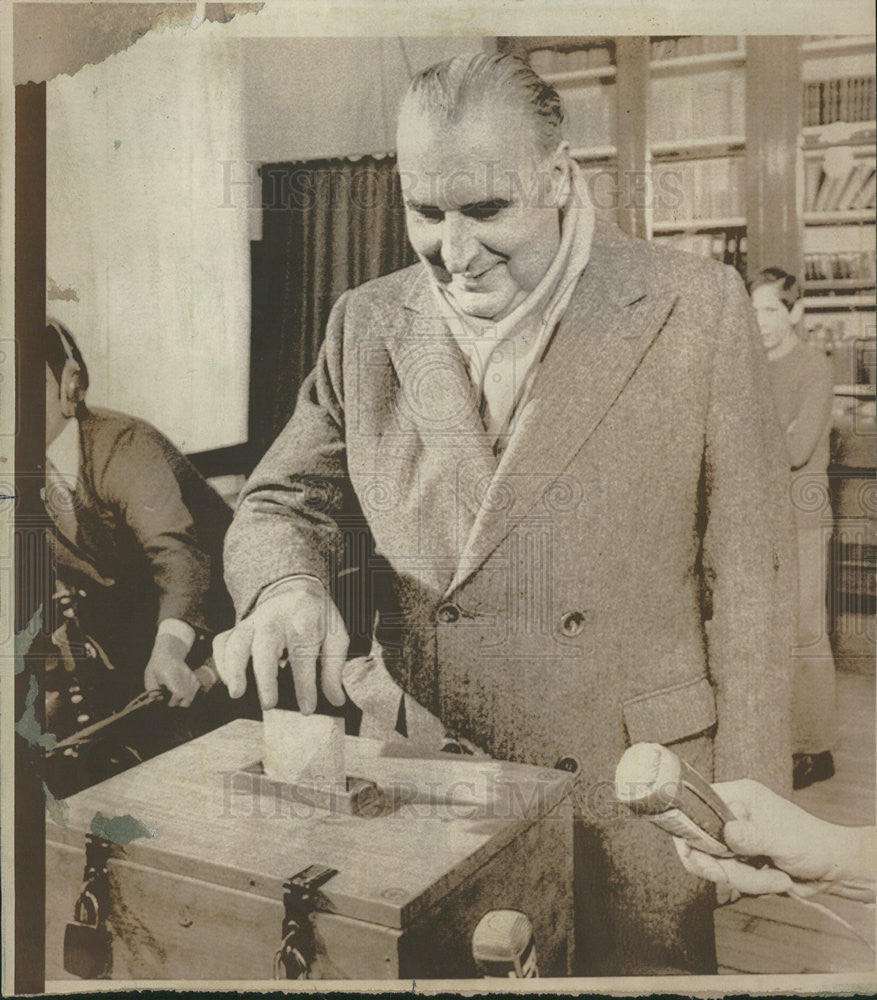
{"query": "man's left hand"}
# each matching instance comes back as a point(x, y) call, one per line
point(167, 668)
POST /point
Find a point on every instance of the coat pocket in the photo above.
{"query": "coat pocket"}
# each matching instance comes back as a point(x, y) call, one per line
point(671, 714)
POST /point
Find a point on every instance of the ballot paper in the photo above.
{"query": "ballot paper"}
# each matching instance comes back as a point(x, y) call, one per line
point(303, 749)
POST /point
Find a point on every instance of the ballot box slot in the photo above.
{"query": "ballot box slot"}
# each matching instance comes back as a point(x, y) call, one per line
point(355, 796)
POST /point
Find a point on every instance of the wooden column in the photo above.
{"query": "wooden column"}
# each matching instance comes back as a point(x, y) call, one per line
point(631, 97)
point(32, 581)
point(773, 126)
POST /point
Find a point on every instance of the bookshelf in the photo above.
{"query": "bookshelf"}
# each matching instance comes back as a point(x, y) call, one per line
point(696, 145)
point(584, 71)
point(687, 145)
point(837, 154)
point(757, 151)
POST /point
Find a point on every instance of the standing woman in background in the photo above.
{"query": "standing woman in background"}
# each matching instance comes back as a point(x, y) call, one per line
point(803, 387)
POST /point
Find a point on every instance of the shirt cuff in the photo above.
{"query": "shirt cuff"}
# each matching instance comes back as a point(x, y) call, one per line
point(176, 627)
point(272, 587)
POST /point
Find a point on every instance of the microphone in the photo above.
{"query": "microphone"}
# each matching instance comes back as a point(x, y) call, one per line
point(653, 781)
point(503, 945)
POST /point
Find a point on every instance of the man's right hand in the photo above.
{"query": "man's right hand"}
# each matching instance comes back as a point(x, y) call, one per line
point(300, 621)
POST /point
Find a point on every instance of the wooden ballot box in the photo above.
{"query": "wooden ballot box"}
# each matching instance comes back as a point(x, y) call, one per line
point(231, 876)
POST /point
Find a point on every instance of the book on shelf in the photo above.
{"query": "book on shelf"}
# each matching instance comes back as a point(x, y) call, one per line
point(852, 185)
point(830, 191)
point(841, 266)
point(718, 107)
point(725, 245)
point(865, 197)
point(685, 46)
point(570, 60)
point(699, 189)
point(679, 112)
point(590, 116)
point(846, 99)
point(813, 173)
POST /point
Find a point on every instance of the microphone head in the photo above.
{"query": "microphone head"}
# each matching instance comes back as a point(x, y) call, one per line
point(503, 945)
point(648, 778)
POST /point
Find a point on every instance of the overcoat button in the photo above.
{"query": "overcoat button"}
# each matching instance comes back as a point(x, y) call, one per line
point(572, 623)
point(448, 613)
point(568, 763)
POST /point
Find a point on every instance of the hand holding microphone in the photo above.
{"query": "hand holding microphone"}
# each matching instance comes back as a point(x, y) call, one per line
point(815, 853)
point(720, 829)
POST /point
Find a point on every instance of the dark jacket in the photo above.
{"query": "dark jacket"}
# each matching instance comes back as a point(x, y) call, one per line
point(148, 539)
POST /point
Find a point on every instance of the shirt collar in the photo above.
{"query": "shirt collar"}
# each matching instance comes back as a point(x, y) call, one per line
point(63, 453)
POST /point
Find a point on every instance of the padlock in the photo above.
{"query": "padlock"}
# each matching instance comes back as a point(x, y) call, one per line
point(289, 962)
point(88, 945)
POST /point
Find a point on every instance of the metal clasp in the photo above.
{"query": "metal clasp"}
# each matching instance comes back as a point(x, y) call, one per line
point(297, 950)
point(95, 879)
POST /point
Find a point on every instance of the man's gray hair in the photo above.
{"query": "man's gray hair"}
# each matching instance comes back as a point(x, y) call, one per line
point(448, 88)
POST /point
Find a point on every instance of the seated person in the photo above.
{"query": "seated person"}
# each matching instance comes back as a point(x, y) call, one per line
point(136, 545)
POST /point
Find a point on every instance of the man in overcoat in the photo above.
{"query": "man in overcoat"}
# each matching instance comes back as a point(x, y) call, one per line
point(563, 448)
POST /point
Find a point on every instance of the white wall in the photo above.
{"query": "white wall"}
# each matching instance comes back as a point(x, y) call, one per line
point(148, 245)
point(144, 263)
point(309, 98)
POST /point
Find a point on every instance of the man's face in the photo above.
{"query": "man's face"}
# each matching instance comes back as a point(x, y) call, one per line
point(774, 319)
point(481, 205)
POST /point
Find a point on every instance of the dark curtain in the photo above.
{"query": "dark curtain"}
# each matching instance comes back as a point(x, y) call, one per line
point(328, 225)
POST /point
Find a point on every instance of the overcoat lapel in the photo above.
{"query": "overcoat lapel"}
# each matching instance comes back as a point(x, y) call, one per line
point(438, 396)
point(438, 429)
point(607, 329)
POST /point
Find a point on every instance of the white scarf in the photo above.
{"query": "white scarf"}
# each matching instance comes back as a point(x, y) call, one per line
point(503, 377)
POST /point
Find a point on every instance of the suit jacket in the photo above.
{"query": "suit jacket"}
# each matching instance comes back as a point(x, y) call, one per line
point(621, 574)
point(142, 540)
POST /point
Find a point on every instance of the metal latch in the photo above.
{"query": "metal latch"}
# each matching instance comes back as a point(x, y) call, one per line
point(88, 950)
point(297, 950)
